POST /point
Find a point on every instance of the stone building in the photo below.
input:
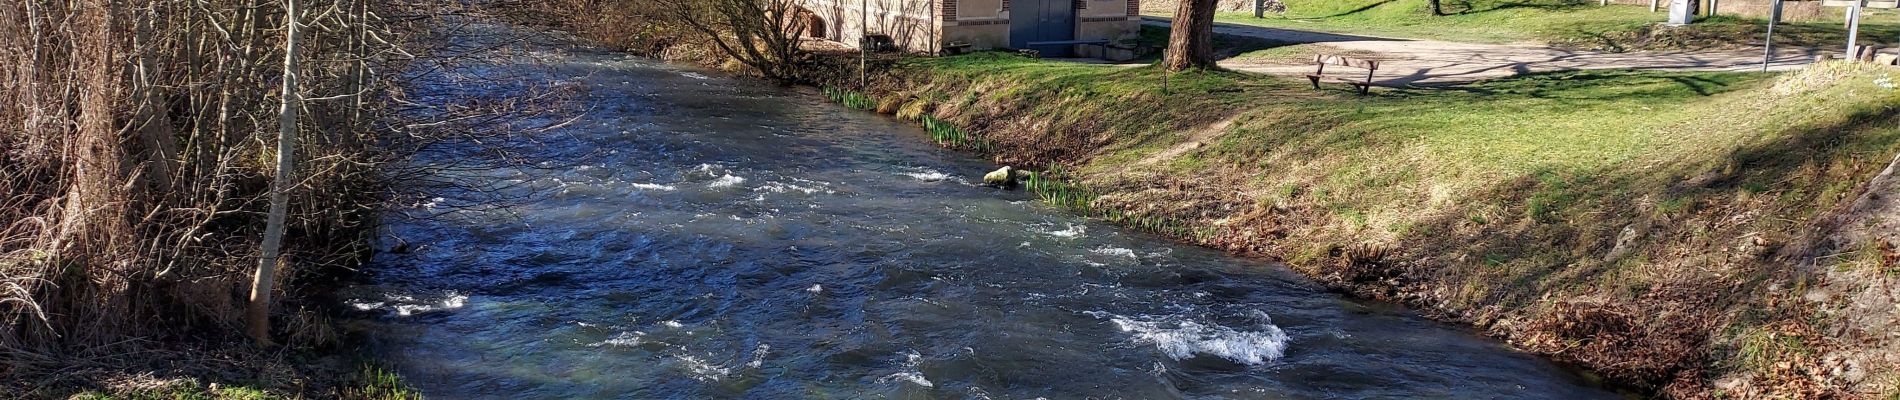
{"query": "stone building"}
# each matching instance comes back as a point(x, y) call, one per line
point(1054, 27)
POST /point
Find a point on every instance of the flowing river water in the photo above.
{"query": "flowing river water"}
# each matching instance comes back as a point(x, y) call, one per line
point(696, 236)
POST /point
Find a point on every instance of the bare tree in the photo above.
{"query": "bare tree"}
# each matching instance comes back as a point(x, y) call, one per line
point(135, 185)
point(257, 315)
point(1191, 40)
point(762, 34)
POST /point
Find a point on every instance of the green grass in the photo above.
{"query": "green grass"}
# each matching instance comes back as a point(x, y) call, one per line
point(369, 383)
point(850, 99)
point(1511, 190)
point(1565, 22)
point(184, 390)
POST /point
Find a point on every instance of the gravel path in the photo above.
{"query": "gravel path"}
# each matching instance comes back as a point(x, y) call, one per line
point(1428, 62)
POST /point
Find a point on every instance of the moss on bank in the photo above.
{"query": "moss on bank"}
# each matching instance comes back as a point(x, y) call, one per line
point(1644, 225)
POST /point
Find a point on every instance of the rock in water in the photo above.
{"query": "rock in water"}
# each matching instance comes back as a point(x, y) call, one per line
point(1003, 177)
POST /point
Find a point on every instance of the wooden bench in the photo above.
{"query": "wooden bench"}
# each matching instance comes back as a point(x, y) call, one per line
point(1364, 84)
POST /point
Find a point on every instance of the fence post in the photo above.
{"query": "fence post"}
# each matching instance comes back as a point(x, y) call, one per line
point(1259, 8)
point(1853, 31)
point(1768, 48)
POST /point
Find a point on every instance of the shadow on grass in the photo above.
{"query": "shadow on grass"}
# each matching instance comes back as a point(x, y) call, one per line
point(1361, 9)
point(1233, 40)
point(1514, 5)
point(1598, 86)
point(1617, 234)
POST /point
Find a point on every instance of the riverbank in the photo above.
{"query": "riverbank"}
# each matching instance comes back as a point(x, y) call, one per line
point(1665, 230)
point(1647, 226)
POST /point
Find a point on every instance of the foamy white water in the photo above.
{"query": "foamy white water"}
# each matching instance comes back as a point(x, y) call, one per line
point(1072, 231)
point(726, 181)
point(910, 373)
point(622, 339)
point(407, 305)
point(703, 370)
point(1183, 339)
point(1116, 252)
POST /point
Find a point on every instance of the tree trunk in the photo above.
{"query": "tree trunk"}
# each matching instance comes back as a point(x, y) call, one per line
point(258, 312)
point(1437, 7)
point(1191, 38)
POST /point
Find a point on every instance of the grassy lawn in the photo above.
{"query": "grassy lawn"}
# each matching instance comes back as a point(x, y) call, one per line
point(1512, 192)
point(1563, 22)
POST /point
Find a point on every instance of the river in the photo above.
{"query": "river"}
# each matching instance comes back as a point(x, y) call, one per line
point(698, 236)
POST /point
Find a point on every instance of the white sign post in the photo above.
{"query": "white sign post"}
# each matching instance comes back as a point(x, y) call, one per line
point(1679, 13)
point(1853, 19)
point(1853, 31)
point(1768, 48)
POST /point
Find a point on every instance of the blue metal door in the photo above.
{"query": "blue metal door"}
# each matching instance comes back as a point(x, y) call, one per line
point(1058, 25)
point(1033, 21)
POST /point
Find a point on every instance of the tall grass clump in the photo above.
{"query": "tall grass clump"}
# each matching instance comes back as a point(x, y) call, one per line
point(948, 134)
point(850, 98)
point(1057, 192)
point(134, 165)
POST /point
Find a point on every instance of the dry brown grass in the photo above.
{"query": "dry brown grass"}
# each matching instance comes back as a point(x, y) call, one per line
point(133, 164)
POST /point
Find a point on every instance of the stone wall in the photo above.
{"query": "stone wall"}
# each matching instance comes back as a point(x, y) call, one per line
point(913, 24)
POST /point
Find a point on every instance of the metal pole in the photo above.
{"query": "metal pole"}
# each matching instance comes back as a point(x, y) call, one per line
point(1768, 51)
point(864, 42)
point(1853, 31)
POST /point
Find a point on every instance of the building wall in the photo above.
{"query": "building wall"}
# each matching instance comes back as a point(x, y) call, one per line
point(924, 25)
point(974, 10)
point(1108, 19)
point(983, 36)
point(913, 24)
point(1103, 8)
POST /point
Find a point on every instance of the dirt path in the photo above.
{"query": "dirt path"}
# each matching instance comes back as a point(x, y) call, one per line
point(1427, 62)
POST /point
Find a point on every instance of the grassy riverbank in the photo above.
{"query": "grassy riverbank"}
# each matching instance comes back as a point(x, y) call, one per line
point(1560, 22)
point(1644, 225)
point(1658, 229)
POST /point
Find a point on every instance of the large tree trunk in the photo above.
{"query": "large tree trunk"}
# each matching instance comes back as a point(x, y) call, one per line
point(1191, 40)
point(258, 314)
